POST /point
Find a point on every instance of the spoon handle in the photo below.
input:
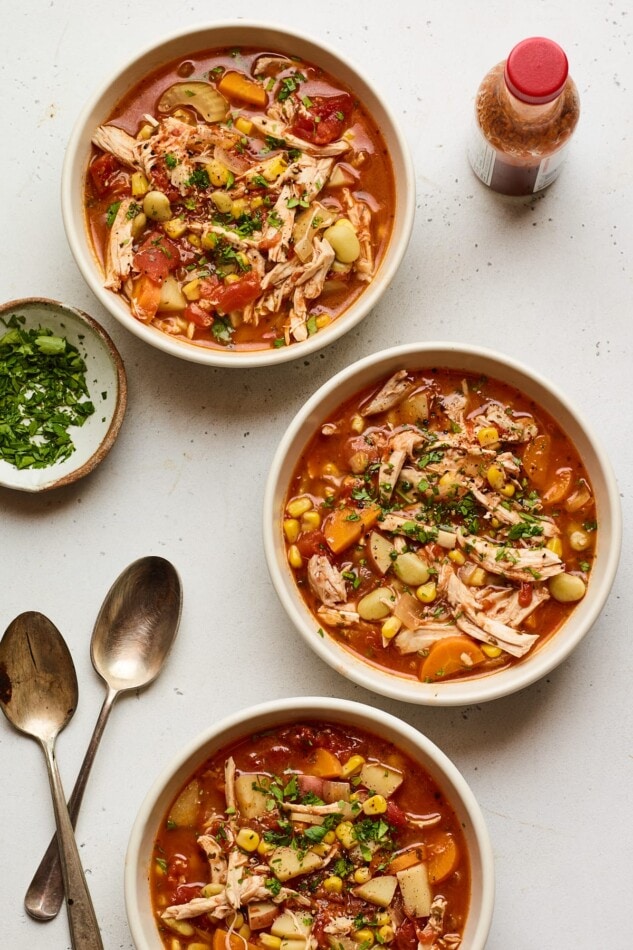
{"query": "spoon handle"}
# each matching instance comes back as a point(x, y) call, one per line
point(45, 894)
point(84, 929)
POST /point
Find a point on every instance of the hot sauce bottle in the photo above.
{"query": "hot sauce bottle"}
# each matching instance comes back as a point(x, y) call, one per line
point(526, 110)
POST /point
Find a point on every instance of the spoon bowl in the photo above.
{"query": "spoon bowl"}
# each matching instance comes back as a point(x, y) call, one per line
point(131, 639)
point(38, 695)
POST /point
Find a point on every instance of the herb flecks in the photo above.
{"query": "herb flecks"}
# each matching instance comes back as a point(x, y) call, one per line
point(43, 392)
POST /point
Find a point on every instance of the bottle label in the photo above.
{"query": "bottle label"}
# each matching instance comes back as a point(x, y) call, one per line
point(506, 178)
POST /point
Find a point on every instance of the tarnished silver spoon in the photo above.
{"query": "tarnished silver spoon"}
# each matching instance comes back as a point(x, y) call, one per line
point(38, 695)
point(132, 636)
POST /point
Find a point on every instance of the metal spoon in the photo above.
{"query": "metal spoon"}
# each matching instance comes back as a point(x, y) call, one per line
point(132, 636)
point(38, 695)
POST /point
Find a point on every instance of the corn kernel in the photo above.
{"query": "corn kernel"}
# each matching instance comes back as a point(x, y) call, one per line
point(329, 837)
point(174, 228)
point(184, 115)
point(555, 545)
point(292, 529)
point(390, 627)
point(159, 870)
point(218, 173)
point(139, 183)
point(331, 469)
point(357, 424)
point(385, 933)
point(427, 592)
point(495, 523)
point(383, 918)
point(364, 936)
point(235, 920)
point(376, 805)
point(144, 132)
point(256, 202)
point(488, 436)
point(273, 943)
point(265, 847)
point(192, 289)
point(447, 483)
point(274, 167)
point(362, 875)
point(345, 834)
point(457, 557)
point(244, 932)
point(247, 839)
point(477, 578)
point(299, 506)
point(333, 884)
point(323, 320)
point(243, 125)
point(352, 765)
point(239, 206)
point(294, 557)
point(492, 651)
point(194, 239)
point(311, 519)
point(209, 240)
point(320, 848)
point(508, 490)
point(496, 477)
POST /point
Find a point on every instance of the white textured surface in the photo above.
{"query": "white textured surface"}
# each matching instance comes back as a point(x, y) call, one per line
point(547, 281)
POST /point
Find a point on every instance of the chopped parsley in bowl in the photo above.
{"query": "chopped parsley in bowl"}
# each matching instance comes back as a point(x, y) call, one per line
point(62, 394)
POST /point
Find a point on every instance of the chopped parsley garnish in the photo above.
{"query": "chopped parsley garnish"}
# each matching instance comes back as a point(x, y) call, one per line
point(525, 529)
point(112, 212)
point(222, 330)
point(43, 392)
point(199, 178)
point(289, 84)
point(170, 160)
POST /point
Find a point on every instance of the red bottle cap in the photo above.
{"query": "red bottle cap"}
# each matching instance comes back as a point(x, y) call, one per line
point(536, 70)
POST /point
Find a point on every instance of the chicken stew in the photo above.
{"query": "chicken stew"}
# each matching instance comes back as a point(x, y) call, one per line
point(241, 199)
point(440, 525)
point(308, 836)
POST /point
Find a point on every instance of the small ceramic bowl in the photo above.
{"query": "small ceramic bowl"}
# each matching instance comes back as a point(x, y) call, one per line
point(186, 43)
point(372, 720)
point(106, 384)
point(541, 659)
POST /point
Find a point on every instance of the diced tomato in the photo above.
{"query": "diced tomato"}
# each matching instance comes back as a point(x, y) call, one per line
point(395, 815)
point(235, 296)
point(156, 257)
point(103, 172)
point(194, 313)
point(406, 938)
point(311, 543)
point(324, 119)
point(187, 892)
point(525, 594)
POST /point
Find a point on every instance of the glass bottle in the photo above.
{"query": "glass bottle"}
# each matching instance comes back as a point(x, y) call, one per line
point(526, 110)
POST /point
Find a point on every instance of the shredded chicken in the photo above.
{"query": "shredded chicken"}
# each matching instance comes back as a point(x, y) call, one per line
point(393, 391)
point(326, 581)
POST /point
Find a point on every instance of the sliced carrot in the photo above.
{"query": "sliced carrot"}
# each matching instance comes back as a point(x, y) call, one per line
point(536, 459)
point(344, 526)
point(238, 86)
point(145, 298)
point(223, 940)
point(443, 856)
point(406, 859)
point(325, 764)
point(559, 486)
point(448, 656)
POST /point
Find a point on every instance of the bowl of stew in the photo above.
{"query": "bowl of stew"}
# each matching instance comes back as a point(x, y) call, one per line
point(238, 194)
point(309, 823)
point(440, 524)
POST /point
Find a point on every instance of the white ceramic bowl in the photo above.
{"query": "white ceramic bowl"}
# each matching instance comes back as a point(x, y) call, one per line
point(372, 720)
point(107, 387)
point(184, 43)
point(352, 380)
